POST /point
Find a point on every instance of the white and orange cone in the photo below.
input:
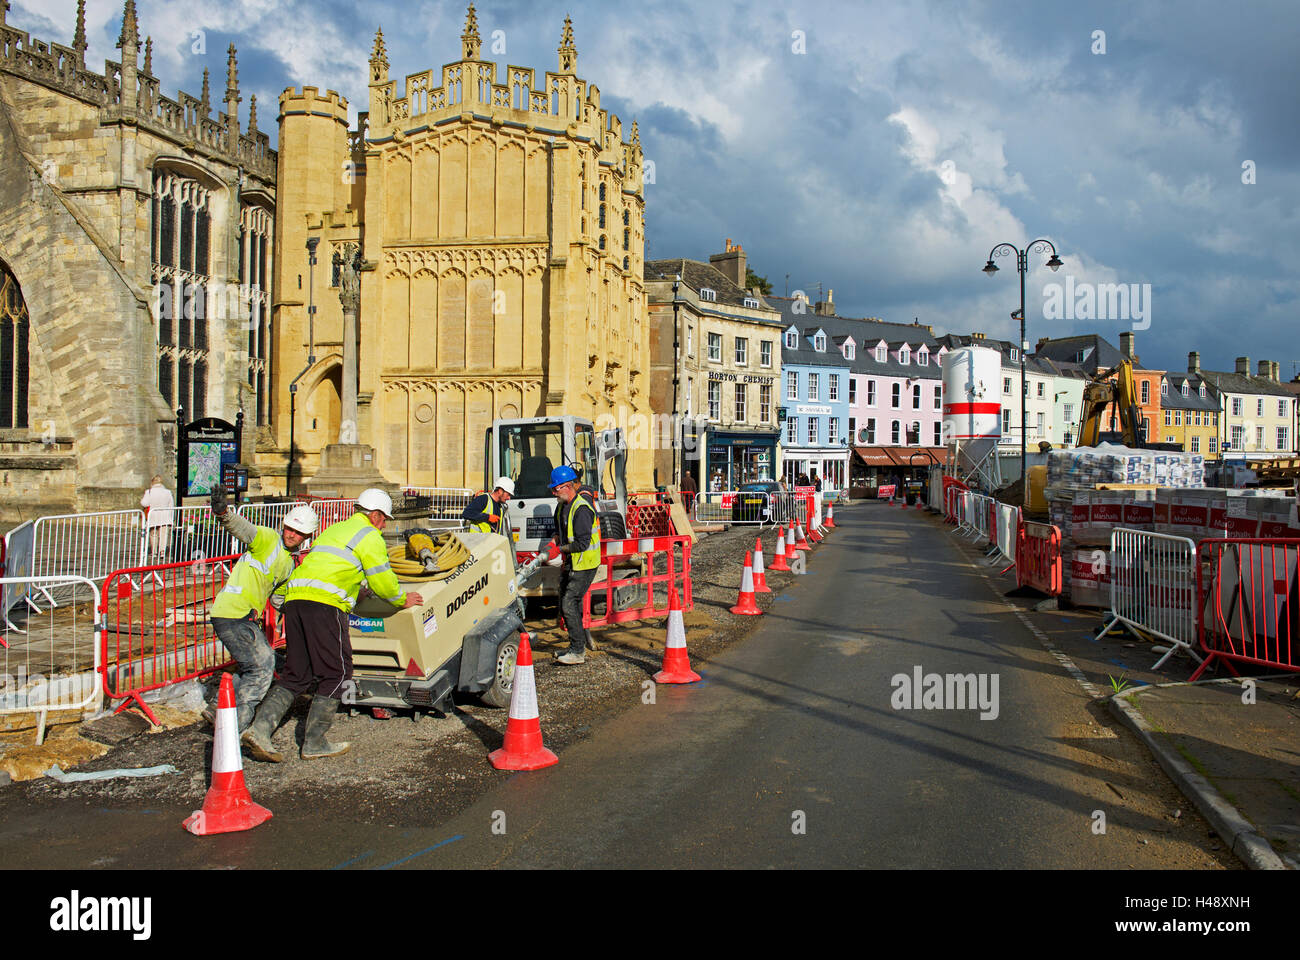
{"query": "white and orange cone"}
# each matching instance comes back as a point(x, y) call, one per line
point(778, 556)
point(523, 749)
point(801, 542)
point(760, 578)
point(677, 662)
point(830, 516)
point(746, 604)
point(228, 807)
point(790, 551)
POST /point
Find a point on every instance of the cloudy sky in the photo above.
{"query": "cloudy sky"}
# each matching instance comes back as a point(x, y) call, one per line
point(881, 149)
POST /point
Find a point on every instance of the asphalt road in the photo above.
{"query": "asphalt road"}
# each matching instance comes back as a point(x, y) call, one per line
point(788, 754)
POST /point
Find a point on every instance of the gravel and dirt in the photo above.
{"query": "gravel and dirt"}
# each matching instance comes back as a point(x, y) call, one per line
point(405, 772)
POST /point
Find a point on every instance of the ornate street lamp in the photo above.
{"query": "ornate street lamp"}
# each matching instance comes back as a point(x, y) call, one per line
point(1022, 266)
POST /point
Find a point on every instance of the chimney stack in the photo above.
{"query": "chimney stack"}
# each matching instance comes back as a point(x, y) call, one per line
point(1126, 344)
point(1194, 362)
point(1264, 370)
point(1243, 366)
point(731, 263)
point(1277, 370)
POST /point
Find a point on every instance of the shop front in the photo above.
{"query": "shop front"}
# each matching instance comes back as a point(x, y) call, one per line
point(735, 457)
point(830, 465)
point(873, 467)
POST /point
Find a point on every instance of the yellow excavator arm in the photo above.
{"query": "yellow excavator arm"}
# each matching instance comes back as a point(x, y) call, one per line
point(1099, 394)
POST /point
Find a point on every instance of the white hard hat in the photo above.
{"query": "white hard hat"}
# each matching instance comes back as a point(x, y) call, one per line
point(376, 499)
point(506, 484)
point(303, 519)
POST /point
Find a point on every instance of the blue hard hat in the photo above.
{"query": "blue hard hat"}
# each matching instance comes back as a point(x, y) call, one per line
point(562, 475)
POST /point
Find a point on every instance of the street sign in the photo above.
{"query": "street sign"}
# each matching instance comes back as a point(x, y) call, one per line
point(207, 452)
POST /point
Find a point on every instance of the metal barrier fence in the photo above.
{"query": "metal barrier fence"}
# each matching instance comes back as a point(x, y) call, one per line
point(267, 514)
point(85, 545)
point(1038, 557)
point(1006, 533)
point(54, 663)
point(1153, 587)
point(161, 635)
point(787, 506)
point(650, 587)
point(1248, 603)
point(336, 511)
point(444, 504)
point(733, 506)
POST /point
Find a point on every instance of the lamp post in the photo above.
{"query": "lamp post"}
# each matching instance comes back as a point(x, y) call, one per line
point(678, 425)
point(1022, 266)
point(312, 243)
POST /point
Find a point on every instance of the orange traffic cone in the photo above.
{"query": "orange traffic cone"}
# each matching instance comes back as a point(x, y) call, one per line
point(760, 578)
point(778, 557)
point(677, 663)
point(790, 551)
point(746, 605)
point(228, 807)
point(814, 535)
point(830, 516)
point(801, 543)
point(523, 749)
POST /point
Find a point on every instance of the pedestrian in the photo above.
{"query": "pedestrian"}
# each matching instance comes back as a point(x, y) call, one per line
point(816, 482)
point(483, 513)
point(689, 489)
point(897, 482)
point(317, 599)
point(577, 538)
point(237, 612)
point(716, 484)
point(158, 504)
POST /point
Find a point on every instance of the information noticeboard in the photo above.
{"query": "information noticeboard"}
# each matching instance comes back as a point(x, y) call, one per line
point(208, 454)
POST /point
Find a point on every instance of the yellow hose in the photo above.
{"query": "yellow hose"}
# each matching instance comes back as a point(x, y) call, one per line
point(449, 553)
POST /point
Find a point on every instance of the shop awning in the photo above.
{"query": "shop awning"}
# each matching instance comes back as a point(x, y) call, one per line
point(901, 456)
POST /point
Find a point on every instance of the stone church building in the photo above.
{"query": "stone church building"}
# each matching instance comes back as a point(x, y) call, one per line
point(501, 227)
point(136, 247)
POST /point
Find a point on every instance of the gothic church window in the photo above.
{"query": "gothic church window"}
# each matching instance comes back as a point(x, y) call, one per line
point(181, 273)
point(14, 330)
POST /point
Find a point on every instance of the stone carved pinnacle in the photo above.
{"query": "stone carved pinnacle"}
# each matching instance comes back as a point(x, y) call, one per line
point(380, 54)
point(205, 96)
point(129, 41)
point(148, 55)
point(232, 76)
point(470, 38)
point(252, 114)
point(79, 37)
point(567, 50)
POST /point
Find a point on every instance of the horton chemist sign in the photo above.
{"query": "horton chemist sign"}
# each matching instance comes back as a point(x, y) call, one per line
point(207, 451)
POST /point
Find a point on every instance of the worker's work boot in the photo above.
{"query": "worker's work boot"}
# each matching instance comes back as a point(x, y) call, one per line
point(315, 742)
point(270, 712)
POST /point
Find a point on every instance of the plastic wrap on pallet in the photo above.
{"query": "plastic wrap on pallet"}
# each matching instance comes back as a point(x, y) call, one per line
point(1083, 468)
point(1089, 576)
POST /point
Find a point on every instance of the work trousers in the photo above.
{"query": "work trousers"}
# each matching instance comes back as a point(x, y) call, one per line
point(254, 663)
point(318, 650)
point(573, 586)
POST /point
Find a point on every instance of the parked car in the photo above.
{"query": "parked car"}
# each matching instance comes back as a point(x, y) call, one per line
point(750, 506)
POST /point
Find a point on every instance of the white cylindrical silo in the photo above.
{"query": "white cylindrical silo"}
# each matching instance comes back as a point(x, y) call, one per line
point(972, 403)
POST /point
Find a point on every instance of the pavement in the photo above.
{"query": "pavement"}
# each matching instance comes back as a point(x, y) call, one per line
point(1231, 747)
point(1228, 744)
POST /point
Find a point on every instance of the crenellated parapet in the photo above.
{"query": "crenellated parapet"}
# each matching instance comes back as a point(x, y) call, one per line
point(134, 92)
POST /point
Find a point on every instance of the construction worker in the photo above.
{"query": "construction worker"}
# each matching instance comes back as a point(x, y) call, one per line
point(577, 537)
point(482, 514)
point(317, 599)
point(237, 611)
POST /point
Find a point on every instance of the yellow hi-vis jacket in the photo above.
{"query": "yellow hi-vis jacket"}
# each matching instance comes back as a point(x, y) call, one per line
point(263, 567)
point(588, 559)
point(340, 558)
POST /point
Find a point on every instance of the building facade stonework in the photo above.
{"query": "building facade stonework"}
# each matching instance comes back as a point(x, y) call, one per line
point(124, 221)
point(502, 236)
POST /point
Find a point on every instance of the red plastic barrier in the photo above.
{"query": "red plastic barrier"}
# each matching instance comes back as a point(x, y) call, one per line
point(649, 520)
point(161, 635)
point(1038, 557)
point(1248, 609)
point(676, 555)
